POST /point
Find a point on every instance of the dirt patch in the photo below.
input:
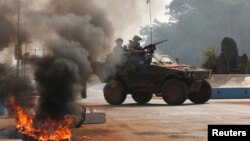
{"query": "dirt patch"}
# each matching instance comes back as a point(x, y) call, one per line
point(184, 137)
point(148, 133)
point(235, 102)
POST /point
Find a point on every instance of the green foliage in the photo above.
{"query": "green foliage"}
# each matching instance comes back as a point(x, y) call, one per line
point(210, 58)
point(196, 24)
point(242, 68)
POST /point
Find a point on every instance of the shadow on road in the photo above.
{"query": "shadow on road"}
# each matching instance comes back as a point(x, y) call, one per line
point(144, 105)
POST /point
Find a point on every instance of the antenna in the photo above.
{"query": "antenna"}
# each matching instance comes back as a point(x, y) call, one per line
point(150, 18)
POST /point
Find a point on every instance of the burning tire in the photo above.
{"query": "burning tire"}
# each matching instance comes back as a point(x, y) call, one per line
point(114, 92)
point(142, 98)
point(203, 95)
point(174, 92)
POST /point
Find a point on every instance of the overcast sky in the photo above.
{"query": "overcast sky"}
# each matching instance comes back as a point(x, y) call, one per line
point(128, 16)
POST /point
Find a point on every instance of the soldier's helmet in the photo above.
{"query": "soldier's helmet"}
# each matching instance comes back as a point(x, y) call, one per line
point(137, 38)
point(119, 40)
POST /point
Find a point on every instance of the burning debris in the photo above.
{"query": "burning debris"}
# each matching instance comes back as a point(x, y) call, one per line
point(42, 131)
point(58, 82)
point(9, 86)
point(76, 36)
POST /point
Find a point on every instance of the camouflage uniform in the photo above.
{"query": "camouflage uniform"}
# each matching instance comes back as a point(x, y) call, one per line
point(134, 45)
point(138, 59)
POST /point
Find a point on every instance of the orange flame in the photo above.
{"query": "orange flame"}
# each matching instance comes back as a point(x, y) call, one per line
point(49, 130)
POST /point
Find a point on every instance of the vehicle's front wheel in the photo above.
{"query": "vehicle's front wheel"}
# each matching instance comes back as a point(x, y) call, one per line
point(142, 98)
point(114, 92)
point(174, 92)
point(203, 95)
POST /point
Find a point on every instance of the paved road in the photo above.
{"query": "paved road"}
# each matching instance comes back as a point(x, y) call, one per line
point(158, 121)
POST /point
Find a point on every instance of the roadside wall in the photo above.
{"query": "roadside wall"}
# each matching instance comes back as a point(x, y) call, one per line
point(232, 86)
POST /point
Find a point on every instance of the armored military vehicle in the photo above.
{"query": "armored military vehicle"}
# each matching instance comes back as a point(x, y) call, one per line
point(160, 76)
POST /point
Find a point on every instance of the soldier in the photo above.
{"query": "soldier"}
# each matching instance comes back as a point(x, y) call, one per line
point(115, 58)
point(118, 58)
point(138, 58)
point(118, 48)
point(134, 45)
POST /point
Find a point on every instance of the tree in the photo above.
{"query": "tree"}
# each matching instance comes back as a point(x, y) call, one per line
point(210, 59)
point(196, 24)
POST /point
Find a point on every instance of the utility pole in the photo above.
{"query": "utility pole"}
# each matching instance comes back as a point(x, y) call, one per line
point(24, 61)
point(43, 51)
point(18, 47)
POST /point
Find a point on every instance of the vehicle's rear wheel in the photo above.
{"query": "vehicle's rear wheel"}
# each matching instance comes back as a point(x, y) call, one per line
point(142, 98)
point(174, 92)
point(203, 95)
point(114, 92)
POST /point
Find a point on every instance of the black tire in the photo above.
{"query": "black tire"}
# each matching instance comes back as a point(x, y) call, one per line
point(142, 98)
point(174, 92)
point(203, 95)
point(114, 92)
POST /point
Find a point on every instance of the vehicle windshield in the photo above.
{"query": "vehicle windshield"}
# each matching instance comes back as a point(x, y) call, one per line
point(163, 59)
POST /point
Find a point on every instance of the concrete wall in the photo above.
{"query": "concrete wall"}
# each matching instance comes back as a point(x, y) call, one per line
point(230, 86)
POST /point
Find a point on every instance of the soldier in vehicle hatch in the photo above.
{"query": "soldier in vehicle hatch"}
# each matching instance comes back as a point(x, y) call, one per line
point(119, 56)
point(119, 48)
point(134, 45)
point(114, 59)
point(137, 54)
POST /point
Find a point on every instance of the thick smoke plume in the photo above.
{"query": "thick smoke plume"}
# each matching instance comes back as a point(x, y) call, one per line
point(75, 33)
point(80, 35)
point(9, 86)
point(57, 84)
point(8, 29)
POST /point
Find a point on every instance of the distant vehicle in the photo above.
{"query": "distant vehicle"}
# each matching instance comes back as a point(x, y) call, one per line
point(161, 77)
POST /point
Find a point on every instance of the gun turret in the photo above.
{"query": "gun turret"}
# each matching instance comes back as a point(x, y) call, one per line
point(152, 47)
point(160, 42)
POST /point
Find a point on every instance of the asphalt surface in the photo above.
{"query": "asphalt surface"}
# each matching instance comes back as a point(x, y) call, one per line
point(158, 121)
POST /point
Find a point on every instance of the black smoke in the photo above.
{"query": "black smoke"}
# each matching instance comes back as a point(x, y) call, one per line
point(10, 86)
point(75, 34)
point(56, 85)
point(78, 36)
